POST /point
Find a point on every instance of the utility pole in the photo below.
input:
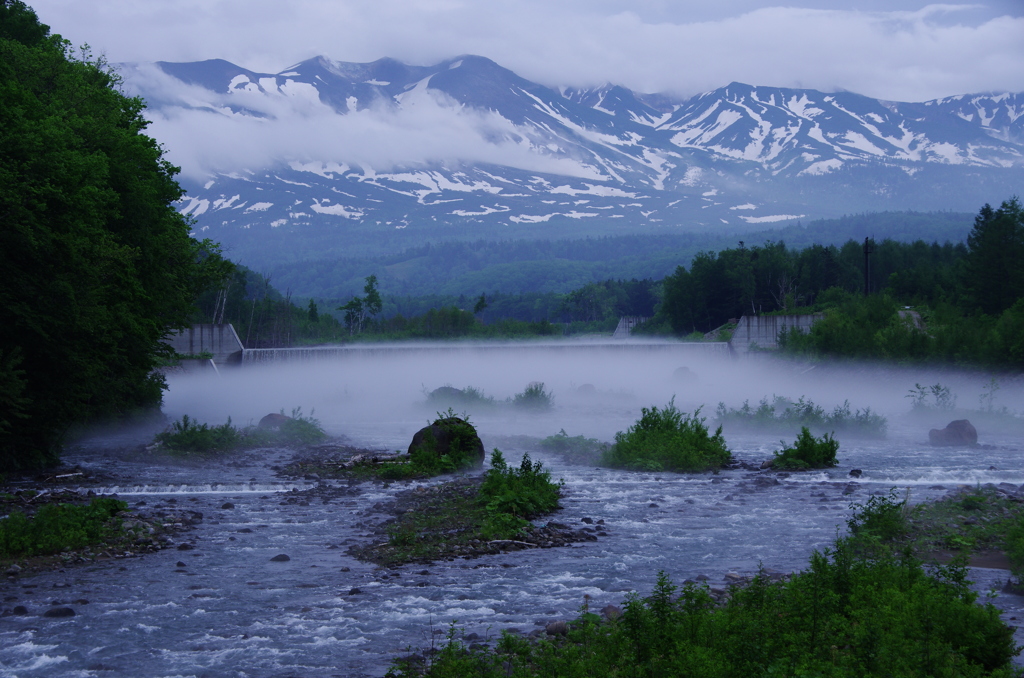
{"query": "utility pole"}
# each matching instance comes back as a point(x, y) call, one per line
point(869, 248)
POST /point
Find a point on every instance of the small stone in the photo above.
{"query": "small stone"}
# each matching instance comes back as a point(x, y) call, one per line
point(227, 505)
point(856, 473)
point(652, 505)
point(354, 591)
point(59, 612)
point(245, 530)
point(19, 610)
point(280, 558)
point(588, 521)
point(346, 569)
point(185, 547)
point(180, 563)
point(80, 601)
point(557, 628)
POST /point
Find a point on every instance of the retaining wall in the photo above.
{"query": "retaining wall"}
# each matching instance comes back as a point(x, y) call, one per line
point(220, 340)
point(763, 330)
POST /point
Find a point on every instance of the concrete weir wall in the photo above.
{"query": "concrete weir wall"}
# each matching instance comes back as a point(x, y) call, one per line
point(763, 330)
point(220, 340)
point(255, 356)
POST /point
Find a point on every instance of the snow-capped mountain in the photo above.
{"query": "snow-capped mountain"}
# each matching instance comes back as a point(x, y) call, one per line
point(468, 144)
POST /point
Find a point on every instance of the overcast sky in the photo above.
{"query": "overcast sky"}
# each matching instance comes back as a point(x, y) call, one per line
point(893, 49)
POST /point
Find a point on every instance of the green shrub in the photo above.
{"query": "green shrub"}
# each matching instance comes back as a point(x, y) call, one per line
point(188, 436)
point(56, 527)
point(808, 452)
point(882, 518)
point(512, 496)
point(534, 397)
point(670, 440)
point(845, 615)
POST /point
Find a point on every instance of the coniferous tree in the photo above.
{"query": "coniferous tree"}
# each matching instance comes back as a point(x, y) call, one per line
point(994, 268)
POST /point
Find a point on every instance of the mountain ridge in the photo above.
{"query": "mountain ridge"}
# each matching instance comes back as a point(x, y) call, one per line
point(504, 157)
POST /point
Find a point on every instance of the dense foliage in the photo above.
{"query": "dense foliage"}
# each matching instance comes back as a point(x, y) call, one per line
point(95, 261)
point(967, 299)
point(668, 440)
point(807, 452)
point(56, 527)
point(845, 615)
point(511, 496)
point(525, 265)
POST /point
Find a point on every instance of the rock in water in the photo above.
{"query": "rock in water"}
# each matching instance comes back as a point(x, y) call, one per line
point(959, 433)
point(273, 421)
point(448, 435)
point(59, 612)
point(280, 558)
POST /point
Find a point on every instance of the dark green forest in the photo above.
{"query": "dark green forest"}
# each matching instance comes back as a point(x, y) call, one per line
point(468, 267)
point(96, 263)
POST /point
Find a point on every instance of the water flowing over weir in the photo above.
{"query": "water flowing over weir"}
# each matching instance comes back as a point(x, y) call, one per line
point(262, 356)
point(229, 610)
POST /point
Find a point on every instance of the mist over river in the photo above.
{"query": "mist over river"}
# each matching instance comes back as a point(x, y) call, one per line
point(228, 610)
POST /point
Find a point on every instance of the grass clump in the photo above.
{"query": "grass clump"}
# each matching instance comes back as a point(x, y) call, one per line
point(534, 397)
point(783, 414)
point(668, 440)
point(56, 527)
point(808, 452)
point(466, 516)
point(188, 436)
point(969, 521)
point(847, 614)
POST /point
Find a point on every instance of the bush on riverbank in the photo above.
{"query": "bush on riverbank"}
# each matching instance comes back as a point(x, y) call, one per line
point(190, 437)
point(808, 452)
point(783, 414)
point(845, 615)
point(668, 440)
point(56, 527)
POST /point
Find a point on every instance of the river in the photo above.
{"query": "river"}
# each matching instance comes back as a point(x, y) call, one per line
point(228, 610)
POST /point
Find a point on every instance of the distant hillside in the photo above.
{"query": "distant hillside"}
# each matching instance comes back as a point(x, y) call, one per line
point(454, 268)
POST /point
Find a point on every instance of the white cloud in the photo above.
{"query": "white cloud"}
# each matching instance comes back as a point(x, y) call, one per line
point(203, 135)
point(900, 50)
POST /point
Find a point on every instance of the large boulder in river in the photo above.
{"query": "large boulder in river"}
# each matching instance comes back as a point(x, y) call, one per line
point(452, 437)
point(959, 433)
point(273, 421)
